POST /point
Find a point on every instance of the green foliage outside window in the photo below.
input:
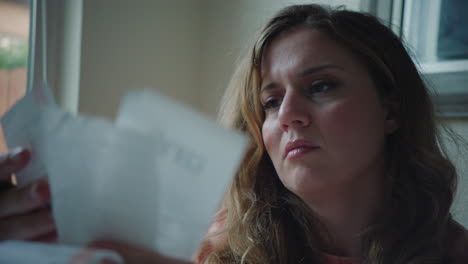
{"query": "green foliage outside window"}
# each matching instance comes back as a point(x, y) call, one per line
point(13, 52)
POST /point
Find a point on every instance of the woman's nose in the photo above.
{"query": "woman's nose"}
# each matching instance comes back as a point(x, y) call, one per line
point(293, 112)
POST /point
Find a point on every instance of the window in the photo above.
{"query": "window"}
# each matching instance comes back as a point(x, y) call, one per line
point(437, 36)
point(14, 40)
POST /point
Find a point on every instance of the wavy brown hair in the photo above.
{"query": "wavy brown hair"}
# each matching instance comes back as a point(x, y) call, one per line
point(266, 223)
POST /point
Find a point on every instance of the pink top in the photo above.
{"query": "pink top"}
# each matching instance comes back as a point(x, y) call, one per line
point(217, 225)
point(457, 250)
point(339, 260)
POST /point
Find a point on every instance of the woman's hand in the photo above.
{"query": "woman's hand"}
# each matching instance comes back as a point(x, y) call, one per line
point(25, 212)
point(136, 255)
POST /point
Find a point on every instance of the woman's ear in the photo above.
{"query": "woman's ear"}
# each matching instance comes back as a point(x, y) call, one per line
point(391, 116)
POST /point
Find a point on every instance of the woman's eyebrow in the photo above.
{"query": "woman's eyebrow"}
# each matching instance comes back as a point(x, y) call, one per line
point(318, 68)
point(307, 71)
point(267, 87)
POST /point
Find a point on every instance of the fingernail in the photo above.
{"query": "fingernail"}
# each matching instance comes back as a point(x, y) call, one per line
point(41, 191)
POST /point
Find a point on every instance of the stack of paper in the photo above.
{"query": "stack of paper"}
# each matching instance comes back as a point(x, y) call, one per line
point(153, 178)
point(37, 253)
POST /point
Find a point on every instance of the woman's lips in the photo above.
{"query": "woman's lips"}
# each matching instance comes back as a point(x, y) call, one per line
point(298, 148)
point(298, 152)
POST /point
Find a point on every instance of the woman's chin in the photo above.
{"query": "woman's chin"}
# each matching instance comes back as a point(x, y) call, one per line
point(305, 183)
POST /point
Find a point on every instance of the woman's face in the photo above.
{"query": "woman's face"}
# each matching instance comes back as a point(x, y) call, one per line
point(325, 124)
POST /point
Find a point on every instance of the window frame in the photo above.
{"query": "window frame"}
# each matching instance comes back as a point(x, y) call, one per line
point(61, 67)
point(32, 45)
point(437, 75)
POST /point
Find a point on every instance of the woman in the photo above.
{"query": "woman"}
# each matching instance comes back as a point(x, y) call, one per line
point(344, 164)
point(345, 156)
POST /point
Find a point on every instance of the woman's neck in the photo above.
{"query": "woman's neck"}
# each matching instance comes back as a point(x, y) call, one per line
point(347, 212)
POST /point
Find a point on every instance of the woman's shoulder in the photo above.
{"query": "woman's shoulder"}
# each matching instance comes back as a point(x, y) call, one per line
point(457, 248)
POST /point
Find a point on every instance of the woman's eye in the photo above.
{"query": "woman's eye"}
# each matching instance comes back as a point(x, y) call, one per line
point(319, 87)
point(271, 103)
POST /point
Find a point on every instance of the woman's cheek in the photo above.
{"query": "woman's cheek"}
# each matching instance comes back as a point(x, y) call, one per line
point(269, 139)
point(341, 124)
point(352, 127)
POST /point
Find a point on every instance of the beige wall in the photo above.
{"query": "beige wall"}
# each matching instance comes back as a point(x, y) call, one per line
point(136, 44)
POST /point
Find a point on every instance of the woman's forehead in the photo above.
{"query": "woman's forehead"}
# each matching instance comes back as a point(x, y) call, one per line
point(297, 50)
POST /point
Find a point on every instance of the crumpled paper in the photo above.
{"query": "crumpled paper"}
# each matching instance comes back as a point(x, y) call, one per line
point(20, 252)
point(154, 178)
